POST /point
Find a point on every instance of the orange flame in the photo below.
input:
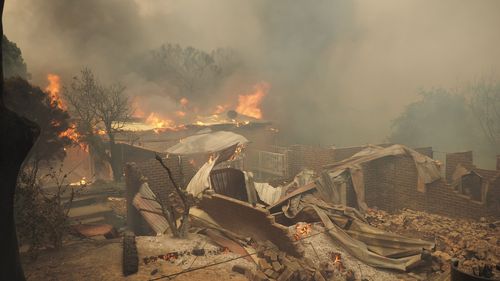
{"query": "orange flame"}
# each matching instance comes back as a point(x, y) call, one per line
point(221, 108)
point(136, 107)
point(53, 90)
point(184, 102)
point(161, 124)
point(302, 230)
point(180, 113)
point(72, 134)
point(337, 261)
point(249, 105)
point(337, 258)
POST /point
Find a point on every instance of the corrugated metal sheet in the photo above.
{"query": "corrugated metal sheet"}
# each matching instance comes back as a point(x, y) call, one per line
point(229, 182)
point(150, 209)
point(207, 143)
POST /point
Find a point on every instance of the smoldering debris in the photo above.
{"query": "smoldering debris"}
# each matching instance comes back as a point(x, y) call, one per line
point(280, 238)
point(474, 245)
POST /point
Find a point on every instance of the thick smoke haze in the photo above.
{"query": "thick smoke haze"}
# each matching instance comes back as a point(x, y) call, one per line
point(340, 71)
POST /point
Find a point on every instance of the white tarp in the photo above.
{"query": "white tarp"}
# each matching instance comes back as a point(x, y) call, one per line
point(207, 143)
point(201, 180)
point(268, 193)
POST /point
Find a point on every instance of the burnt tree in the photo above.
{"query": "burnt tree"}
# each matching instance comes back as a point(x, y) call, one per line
point(97, 105)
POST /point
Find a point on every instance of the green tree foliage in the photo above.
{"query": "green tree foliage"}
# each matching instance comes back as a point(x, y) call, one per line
point(441, 118)
point(13, 62)
point(193, 72)
point(485, 103)
point(34, 104)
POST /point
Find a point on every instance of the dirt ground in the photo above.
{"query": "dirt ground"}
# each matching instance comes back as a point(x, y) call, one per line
point(102, 261)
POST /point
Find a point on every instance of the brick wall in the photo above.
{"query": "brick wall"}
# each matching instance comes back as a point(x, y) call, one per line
point(391, 184)
point(135, 221)
point(346, 152)
point(453, 159)
point(155, 175)
point(311, 157)
point(135, 154)
point(493, 196)
point(342, 153)
point(157, 178)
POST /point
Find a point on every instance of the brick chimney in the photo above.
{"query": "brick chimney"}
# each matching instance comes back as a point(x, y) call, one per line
point(453, 159)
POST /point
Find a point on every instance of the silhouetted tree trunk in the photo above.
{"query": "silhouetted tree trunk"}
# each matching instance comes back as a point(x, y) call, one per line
point(17, 136)
point(114, 159)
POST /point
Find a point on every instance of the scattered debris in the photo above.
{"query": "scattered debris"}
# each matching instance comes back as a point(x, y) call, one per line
point(198, 252)
point(245, 220)
point(475, 245)
point(227, 243)
point(231, 210)
point(347, 226)
point(276, 265)
point(172, 256)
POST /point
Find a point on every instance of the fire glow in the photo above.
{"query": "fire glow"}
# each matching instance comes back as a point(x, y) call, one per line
point(219, 109)
point(302, 230)
point(249, 105)
point(337, 261)
point(72, 134)
point(161, 124)
point(53, 90)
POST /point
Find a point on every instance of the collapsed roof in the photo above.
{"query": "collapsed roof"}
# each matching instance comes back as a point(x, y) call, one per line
point(207, 142)
point(344, 224)
point(337, 174)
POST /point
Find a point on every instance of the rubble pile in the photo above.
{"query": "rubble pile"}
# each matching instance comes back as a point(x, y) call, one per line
point(172, 256)
point(273, 264)
point(476, 245)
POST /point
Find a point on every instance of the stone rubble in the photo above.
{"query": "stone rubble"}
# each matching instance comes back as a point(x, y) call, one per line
point(276, 265)
point(475, 244)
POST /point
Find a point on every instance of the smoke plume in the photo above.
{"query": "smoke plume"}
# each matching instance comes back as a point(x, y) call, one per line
point(339, 71)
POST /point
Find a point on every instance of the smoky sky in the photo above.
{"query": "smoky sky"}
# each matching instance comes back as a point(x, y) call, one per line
point(339, 71)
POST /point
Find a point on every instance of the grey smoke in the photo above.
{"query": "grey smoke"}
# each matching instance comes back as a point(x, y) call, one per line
point(340, 71)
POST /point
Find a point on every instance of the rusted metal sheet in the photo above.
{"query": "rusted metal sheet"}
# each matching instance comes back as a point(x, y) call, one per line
point(300, 190)
point(229, 182)
point(146, 203)
point(244, 219)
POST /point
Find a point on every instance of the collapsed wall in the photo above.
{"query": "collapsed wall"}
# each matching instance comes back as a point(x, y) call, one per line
point(155, 175)
point(391, 184)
